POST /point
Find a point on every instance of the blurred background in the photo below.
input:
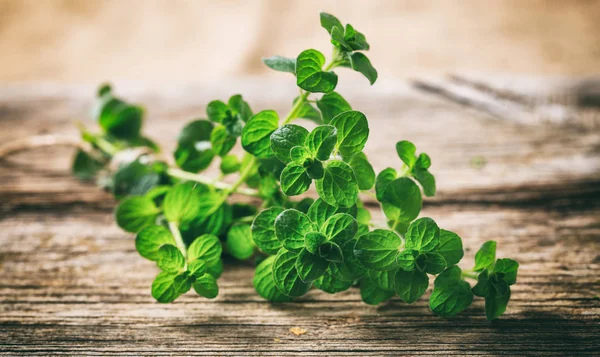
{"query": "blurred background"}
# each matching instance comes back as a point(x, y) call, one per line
point(88, 41)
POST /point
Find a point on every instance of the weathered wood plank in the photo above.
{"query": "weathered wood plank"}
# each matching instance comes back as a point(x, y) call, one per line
point(71, 282)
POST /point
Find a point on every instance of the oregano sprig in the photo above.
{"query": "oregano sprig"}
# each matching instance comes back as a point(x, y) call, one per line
point(185, 220)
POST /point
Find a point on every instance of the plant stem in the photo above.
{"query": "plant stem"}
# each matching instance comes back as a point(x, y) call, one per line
point(243, 175)
point(178, 239)
point(184, 175)
point(294, 111)
point(469, 274)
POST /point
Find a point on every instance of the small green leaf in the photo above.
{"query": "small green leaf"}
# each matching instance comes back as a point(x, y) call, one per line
point(149, 240)
point(230, 164)
point(426, 180)
point(294, 180)
point(360, 63)
point(282, 64)
point(315, 170)
point(256, 135)
point(197, 268)
point(320, 211)
point(331, 252)
point(310, 266)
point(304, 204)
point(285, 138)
point(217, 111)
point(340, 228)
point(170, 258)
point(402, 200)
point(450, 247)
point(309, 73)
point(378, 249)
point(385, 279)
point(206, 286)
point(163, 287)
point(407, 259)
point(422, 235)
point(371, 293)
point(264, 283)
point(286, 276)
point(222, 142)
point(215, 269)
point(486, 256)
point(181, 203)
point(407, 153)
point(352, 132)
point(363, 171)
point(321, 141)
point(383, 179)
point(136, 213)
point(423, 161)
point(263, 230)
point(351, 269)
point(451, 295)
point(312, 241)
point(508, 268)
point(290, 228)
point(496, 303)
point(85, 167)
point(206, 247)
point(239, 107)
point(120, 119)
point(308, 111)
point(331, 105)
point(338, 186)
point(411, 285)
point(239, 241)
point(135, 178)
point(194, 149)
point(329, 22)
point(300, 154)
point(331, 284)
point(434, 263)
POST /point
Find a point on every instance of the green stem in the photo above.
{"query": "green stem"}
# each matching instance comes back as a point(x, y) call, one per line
point(184, 175)
point(178, 239)
point(469, 274)
point(294, 111)
point(243, 175)
point(106, 146)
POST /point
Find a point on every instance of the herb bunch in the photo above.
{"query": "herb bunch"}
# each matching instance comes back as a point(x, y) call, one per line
point(185, 221)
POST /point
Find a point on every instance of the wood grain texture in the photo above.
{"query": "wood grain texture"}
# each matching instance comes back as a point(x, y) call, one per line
point(71, 283)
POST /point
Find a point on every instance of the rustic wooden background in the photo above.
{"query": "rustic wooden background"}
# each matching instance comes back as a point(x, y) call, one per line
point(516, 159)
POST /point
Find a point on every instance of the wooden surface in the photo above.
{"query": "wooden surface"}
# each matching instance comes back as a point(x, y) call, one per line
point(71, 282)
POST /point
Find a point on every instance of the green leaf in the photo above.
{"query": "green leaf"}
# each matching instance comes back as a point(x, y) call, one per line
point(351, 269)
point(363, 171)
point(411, 285)
point(422, 235)
point(321, 141)
point(240, 107)
point(423, 161)
point(312, 241)
point(338, 186)
point(360, 63)
point(315, 170)
point(163, 287)
point(508, 268)
point(329, 22)
point(285, 138)
point(290, 228)
point(310, 266)
point(496, 303)
point(320, 211)
point(217, 111)
point(135, 178)
point(352, 132)
point(222, 142)
point(121, 120)
point(149, 240)
point(331, 252)
point(215, 269)
point(136, 213)
point(378, 249)
point(331, 284)
point(264, 283)
point(308, 111)
point(239, 241)
point(206, 286)
point(194, 149)
point(170, 258)
point(309, 73)
point(407, 153)
point(282, 64)
point(85, 167)
point(197, 268)
point(331, 105)
point(384, 280)
point(407, 259)
point(263, 230)
point(181, 203)
point(300, 154)
point(304, 204)
point(206, 247)
point(371, 293)
point(340, 228)
point(286, 276)
point(230, 164)
point(433, 263)
point(402, 200)
point(294, 180)
point(383, 179)
point(486, 256)
point(215, 223)
point(256, 135)
point(451, 295)
point(426, 180)
point(450, 247)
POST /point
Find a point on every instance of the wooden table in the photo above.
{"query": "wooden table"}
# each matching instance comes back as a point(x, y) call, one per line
point(71, 282)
